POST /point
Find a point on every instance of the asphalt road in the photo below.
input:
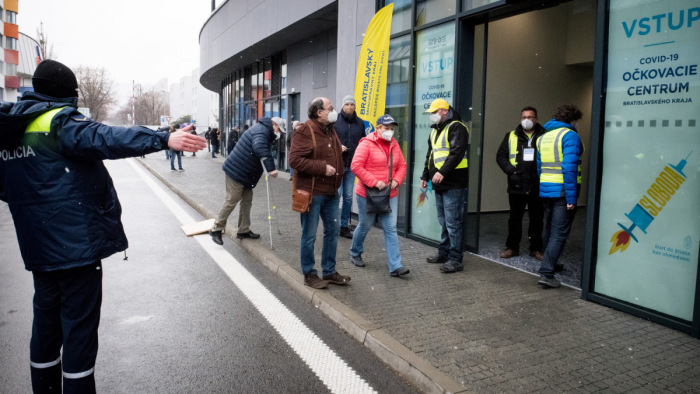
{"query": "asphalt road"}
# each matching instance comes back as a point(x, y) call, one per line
point(183, 315)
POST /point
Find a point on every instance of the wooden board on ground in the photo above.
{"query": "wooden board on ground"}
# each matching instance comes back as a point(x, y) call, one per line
point(197, 228)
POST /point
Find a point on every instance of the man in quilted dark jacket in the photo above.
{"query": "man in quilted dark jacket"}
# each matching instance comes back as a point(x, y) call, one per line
point(243, 170)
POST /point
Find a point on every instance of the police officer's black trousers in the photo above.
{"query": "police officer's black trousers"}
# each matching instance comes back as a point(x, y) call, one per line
point(518, 202)
point(66, 314)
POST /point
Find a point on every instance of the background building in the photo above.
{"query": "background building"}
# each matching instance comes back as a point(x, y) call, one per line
point(189, 97)
point(28, 57)
point(489, 59)
point(9, 60)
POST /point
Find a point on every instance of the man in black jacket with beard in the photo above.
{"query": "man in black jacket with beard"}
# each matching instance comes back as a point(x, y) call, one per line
point(350, 130)
point(517, 157)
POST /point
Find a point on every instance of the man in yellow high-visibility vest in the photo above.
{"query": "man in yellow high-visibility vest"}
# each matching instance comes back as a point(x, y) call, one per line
point(559, 153)
point(516, 157)
point(446, 167)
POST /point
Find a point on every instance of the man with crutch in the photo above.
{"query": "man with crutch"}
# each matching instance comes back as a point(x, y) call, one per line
point(243, 171)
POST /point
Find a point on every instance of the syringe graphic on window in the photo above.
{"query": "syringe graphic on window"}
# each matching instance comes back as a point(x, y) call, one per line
point(650, 205)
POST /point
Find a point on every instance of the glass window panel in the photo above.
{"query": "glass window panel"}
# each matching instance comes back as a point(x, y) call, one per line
point(284, 79)
point(431, 10)
point(648, 235)
point(396, 99)
point(401, 18)
point(472, 4)
point(434, 73)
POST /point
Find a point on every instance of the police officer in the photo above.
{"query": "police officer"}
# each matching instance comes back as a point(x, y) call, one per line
point(559, 153)
point(446, 167)
point(517, 158)
point(67, 218)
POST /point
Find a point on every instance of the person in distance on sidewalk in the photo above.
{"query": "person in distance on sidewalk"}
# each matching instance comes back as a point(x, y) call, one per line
point(243, 170)
point(316, 156)
point(371, 166)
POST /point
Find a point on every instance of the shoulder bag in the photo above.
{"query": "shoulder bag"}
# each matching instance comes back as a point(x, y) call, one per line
point(301, 199)
point(378, 199)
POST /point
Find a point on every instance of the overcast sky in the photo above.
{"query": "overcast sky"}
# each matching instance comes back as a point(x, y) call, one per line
point(141, 40)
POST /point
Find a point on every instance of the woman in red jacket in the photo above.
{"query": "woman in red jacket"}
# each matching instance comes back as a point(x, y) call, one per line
point(371, 167)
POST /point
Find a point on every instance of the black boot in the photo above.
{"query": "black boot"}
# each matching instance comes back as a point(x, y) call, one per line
point(216, 237)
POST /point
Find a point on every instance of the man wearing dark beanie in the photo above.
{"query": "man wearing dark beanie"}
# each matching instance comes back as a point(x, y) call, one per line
point(67, 217)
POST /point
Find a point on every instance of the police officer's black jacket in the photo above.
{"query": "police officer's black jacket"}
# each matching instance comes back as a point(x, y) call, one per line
point(62, 199)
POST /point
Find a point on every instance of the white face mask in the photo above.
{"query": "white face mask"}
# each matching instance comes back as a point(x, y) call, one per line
point(527, 124)
point(435, 118)
point(277, 136)
point(387, 134)
point(332, 116)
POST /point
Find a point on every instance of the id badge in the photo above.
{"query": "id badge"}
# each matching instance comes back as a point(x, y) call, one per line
point(528, 154)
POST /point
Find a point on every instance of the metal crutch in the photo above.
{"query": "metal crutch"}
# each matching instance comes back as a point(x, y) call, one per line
point(274, 203)
point(269, 215)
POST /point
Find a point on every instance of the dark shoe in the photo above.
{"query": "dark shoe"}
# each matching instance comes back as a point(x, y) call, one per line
point(313, 281)
point(508, 253)
point(216, 237)
point(172, 170)
point(536, 254)
point(181, 169)
point(357, 260)
point(345, 233)
point(213, 157)
point(400, 271)
point(436, 259)
point(337, 279)
point(451, 266)
point(549, 282)
point(558, 267)
point(249, 234)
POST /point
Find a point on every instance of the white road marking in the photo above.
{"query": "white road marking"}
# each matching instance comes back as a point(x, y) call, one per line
point(330, 369)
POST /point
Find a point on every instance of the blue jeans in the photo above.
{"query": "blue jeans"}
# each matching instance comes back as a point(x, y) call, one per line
point(324, 207)
point(388, 221)
point(450, 210)
point(557, 226)
point(345, 190)
point(179, 160)
point(167, 154)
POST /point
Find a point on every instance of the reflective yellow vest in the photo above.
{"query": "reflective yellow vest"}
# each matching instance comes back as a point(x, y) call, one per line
point(441, 147)
point(513, 147)
point(42, 124)
point(551, 156)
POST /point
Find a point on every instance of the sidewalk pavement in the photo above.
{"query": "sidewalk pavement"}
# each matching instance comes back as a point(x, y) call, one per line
point(490, 328)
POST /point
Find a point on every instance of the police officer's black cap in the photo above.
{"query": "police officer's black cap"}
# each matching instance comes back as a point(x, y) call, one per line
point(55, 79)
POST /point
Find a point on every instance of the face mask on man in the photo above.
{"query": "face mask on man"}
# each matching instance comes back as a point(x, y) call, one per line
point(387, 134)
point(277, 136)
point(435, 118)
point(527, 124)
point(332, 116)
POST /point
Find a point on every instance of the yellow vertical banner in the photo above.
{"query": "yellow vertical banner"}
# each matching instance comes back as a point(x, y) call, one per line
point(370, 82)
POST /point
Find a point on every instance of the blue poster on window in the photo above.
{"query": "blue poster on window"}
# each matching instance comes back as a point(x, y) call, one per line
point(649, 221)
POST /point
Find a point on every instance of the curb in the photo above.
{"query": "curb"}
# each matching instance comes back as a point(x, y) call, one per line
point(416, 370)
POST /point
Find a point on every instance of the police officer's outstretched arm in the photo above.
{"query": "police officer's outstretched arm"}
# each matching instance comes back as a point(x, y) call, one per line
point(82, 137)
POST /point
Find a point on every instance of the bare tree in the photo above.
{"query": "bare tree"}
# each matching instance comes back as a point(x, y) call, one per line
point(95, 89)
point(149, 105)
point(44, 47)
